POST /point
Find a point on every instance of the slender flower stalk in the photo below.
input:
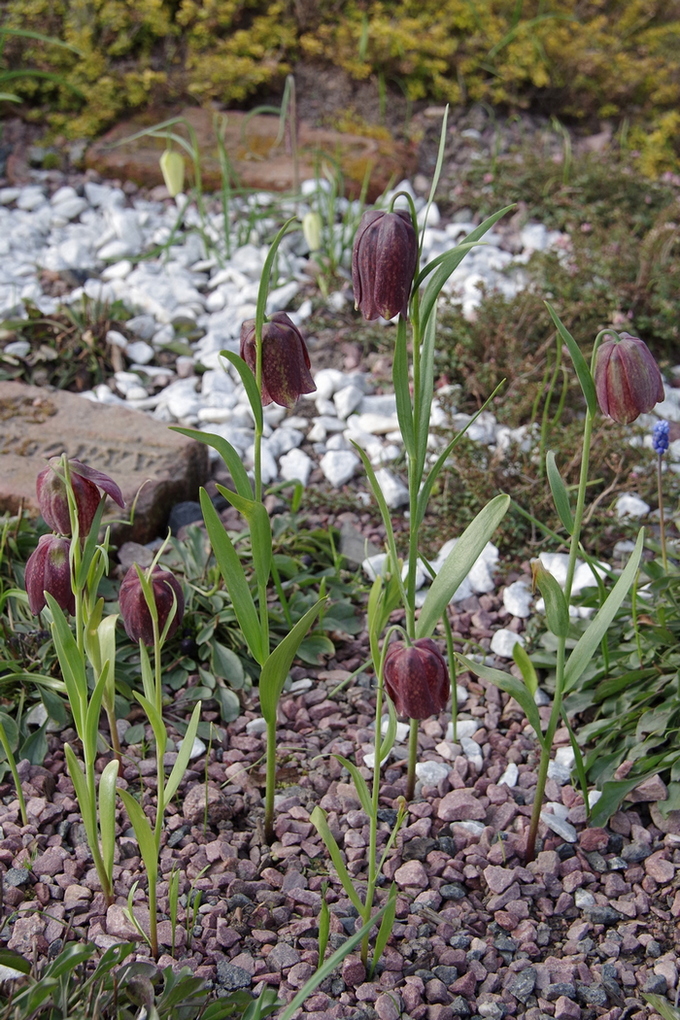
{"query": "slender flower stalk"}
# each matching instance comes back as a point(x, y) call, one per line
point(660, 443)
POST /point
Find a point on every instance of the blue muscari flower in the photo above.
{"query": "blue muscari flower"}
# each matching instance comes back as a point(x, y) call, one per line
point(660, 437)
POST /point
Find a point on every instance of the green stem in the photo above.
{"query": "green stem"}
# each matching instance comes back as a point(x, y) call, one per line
point(270, 782)
point(556, 710)
point(11, 761)
point(373, 820)
point(662, 521)
point(412, 759)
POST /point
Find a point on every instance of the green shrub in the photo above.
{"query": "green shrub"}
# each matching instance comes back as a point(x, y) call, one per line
point(589, 60)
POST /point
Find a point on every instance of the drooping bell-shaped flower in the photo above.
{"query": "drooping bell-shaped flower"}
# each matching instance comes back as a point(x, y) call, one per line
point(135, 611)
point(285, 360)
point(416, 678)
point(86, 483)
point(48, 569)
point(384, 262)
point(628, 382)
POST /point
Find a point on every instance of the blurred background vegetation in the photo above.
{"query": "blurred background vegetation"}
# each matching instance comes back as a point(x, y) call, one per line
point(579, 60)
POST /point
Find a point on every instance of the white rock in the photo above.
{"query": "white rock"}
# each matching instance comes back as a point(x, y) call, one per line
point(337, 442)
point(560, 773)
point(197, 748)
point(510, 776)
point(283, 440)
point(465, 728)
point(347, 400)
point(268, 467)
point(630, 505)
point(374, 566)
point(431, 773)
point(339, 466)
point(328, 381)
point(565, 756)
point(376, 424)
point(392, 488)
point(517, 599)
point(140, 352)
point(472, 752)
point(503, 642)
point(563, 828)
point(256, 725)
point(296, 465)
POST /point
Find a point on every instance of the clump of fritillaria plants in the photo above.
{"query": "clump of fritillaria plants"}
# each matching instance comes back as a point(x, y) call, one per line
point(622, 382)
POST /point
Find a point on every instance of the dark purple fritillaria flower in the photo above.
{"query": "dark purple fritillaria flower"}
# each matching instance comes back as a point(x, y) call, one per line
point(285, 360)
point(86, 483)
point(416, 678)
point(384, 261)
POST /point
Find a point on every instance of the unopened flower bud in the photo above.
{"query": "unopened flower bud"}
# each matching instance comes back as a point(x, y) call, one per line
point(85, 481)
point(172, 168)
point(628, 382)
point(311, 228)
point(417, 678)
point(135, 612)
point(48, 570)
point(384, 262)
point(285, 361)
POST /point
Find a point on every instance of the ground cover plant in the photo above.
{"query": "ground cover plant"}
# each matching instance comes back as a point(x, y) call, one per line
point(584, 61)
point(400, 639)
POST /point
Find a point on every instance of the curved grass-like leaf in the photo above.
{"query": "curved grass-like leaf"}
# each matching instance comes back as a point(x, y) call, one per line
point(581, 366)
point(234, 578)
point(511, 685)
point(590, 639)
point(107, 813)
point(229, 455)
point(182, 760)
point(277, 664)
point(260, 532)
point(249, 384)
point(318, 820)
point(559, 492)
point(459, 563)
point(401, 389)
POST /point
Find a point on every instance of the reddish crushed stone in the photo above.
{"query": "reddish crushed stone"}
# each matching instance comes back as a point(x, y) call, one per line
point(581, 932)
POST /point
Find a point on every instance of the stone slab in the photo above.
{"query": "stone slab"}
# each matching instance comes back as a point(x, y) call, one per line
point(143, 456)
point(259, 160)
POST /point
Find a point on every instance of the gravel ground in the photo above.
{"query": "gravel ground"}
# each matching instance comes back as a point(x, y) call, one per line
point(582, 931)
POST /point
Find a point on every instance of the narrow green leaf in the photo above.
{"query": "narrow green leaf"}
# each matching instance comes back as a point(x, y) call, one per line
point(158, 726)
point(511, 685)
point(613, 793)
point(387, 742)
point(459, 563)
point(71, 663)
point(249, 384)
point(277, 664)
point(442, 267)
point(662, 1006)
point(91, 730)
point(143, 832)
point(234, 578)
point(556, 609)
point(182, 760)
point(581, 366)
point(229, 455)
point(426, 389)
point(260, 532)
point(433, 473)
point(318, 820)
point(385, 929)
point(587, 645)
point(11, 960)
point(107, 813)
point(526, 666)
point(578, 758)
point(88, 810)
point(359, 782)
point(400, 380)
point(559, 493)
point(331, 963)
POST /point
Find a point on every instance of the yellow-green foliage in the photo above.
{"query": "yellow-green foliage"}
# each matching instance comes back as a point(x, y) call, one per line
point(574, 58)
